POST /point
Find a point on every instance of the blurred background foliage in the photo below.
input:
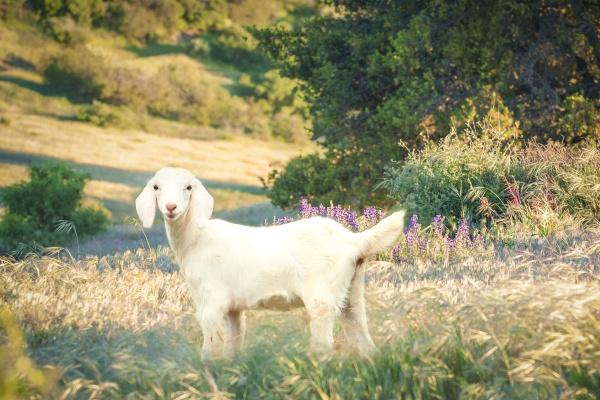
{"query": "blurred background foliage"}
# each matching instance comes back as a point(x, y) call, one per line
point(213, 32)
point(383, 78)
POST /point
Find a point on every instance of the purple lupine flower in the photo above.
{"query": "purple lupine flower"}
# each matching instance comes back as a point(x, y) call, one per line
point(338, 213)
point(352, 220)
point(396, 254)
point(304, 207)
point(371, 213)
point(462, 234)
point(414, 222)
point(410, 239)
point(438, 225)
point(451, 244)
point(322, 210)
point(413, 232)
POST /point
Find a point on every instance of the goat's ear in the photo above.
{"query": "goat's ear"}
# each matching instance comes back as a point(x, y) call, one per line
point(145, 205)
point(202, 204)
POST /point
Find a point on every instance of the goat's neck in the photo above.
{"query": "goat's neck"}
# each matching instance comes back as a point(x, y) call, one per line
point(182, 234)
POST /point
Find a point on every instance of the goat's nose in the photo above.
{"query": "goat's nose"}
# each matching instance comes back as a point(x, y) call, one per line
point(171, 206)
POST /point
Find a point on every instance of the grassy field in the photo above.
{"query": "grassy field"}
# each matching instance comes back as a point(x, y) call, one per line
point(501, 324)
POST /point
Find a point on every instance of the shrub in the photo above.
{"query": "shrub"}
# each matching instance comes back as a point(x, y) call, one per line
point(443, 177)
point(289, 127)
point(102, 114)
point(237, 46)
point(205, 14)
point(541, 188)
point(35, 208)
point(301, 178)
point(334, 176)
point(66, 30)
point(580, 119)
point(78, 71)
point(278, 92)
point(184, 92)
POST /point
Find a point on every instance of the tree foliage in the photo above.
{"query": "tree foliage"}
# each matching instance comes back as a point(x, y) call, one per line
point(152, 19)
point(381, 72)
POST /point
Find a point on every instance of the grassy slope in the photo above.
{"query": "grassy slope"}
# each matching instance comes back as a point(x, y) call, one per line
point(514, 325)
point(36, 125)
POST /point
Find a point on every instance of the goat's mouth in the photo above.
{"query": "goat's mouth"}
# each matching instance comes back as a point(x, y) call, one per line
point(172, 215)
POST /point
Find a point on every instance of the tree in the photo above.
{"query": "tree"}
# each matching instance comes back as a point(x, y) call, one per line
point(380, 72)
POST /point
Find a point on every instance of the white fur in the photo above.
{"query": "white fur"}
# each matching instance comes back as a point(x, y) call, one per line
point(230, 268)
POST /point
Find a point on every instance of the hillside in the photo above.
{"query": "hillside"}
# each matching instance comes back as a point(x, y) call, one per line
point(223, 133)
point(121, 144)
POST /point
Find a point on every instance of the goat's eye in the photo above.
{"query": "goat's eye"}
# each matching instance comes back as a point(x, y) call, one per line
point(155, 187)
point(189, 187)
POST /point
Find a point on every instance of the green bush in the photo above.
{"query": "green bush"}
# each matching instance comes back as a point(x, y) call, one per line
point(289, 127)
point(310, 177)
point(580, 119)
point(442, 178)
point(237, 46)
point(542, 188)
point(77, 71)
point(34, 209)
point(65, 30)
point(104, 115)
point(380, 72)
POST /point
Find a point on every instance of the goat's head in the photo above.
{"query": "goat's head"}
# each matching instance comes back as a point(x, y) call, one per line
point(177, 192)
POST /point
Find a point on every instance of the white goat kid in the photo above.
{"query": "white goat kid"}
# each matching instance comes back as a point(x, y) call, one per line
point(230, 268)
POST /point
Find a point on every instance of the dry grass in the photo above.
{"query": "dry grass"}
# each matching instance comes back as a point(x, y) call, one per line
point(237, 161)
point(12, 174)
point(504, 324)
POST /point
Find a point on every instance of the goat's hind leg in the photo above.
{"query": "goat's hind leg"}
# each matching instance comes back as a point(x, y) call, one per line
point(354, 314)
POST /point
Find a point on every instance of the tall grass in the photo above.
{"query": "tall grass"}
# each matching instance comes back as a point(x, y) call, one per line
point(516, 323)
point(523, 188)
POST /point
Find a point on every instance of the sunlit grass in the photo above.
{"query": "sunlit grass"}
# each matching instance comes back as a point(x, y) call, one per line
point(507, 324)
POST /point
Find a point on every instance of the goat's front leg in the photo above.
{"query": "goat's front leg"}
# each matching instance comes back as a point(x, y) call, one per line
point(212, 319)
point(236, 324)
point(322, 316)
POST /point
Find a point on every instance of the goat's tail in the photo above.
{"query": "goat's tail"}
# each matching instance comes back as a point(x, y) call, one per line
point(382, 235)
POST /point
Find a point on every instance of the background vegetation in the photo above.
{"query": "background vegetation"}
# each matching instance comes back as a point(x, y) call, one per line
point(47, 211)
point(384, 78)
point(475, 175)
point(81, 66)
